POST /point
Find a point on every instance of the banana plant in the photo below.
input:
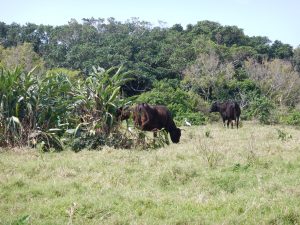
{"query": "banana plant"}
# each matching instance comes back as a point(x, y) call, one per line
point(18, 93)
point(103, 88)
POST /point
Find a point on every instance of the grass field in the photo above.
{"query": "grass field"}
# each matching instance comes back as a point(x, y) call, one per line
point(214, 176)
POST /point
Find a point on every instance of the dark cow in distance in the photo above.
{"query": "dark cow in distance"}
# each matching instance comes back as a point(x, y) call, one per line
point(229, 111)
point(155, 117)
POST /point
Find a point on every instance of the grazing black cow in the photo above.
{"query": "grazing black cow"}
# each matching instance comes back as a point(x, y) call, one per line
point(156, 117)
point(229, 111)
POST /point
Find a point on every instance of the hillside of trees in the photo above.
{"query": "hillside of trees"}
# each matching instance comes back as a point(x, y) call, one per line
point(52, 75)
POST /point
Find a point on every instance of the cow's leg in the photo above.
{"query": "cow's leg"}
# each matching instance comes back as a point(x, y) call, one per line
point(224, 123)
point(237, 123)
point(167, 138)
point(231, 124)
point(154, 136)
point(228, 121)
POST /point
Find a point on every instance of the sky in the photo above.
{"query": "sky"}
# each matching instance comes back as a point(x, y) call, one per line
point(276, 19)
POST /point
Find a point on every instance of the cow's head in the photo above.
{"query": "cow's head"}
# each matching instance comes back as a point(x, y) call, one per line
point(214, 107)
point(123, 113)
point(175, 135)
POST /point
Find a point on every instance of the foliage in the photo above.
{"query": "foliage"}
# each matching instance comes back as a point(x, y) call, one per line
point(291, 118)
point(277, 79)
point(42, 108)
point(182, 104)
point(97, 103)
point(282, 135)
point(17, 105)
point(195, 118)
point(184, 69)
point(55, 104)
point(207, 74)
point(280, 50)
point(22, 220)
point(296, 59)
point(22, 56)
point(261, 109)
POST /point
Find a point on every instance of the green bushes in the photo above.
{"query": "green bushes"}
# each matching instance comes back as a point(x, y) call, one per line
point(60, 108)
point(18, 104)
point(182, 104)
point(261, 109)
point(41, 108)
point(291, 118)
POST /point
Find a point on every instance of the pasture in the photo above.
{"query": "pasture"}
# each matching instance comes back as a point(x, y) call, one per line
point(213, 176)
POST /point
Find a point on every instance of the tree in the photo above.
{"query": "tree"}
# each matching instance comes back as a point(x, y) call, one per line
point(280, 50)
point(229, 35)
point(277, 79)
point(207, 74)
point(296, 59)
point(206, 28)
point(20, 56)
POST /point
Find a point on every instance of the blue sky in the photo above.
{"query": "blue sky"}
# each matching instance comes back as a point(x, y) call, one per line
point(276, 19)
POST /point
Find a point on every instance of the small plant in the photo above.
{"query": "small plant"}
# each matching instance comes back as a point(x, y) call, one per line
point(71, 212)
point(45, 141)
point(145, 142)
point(282, 135)
point(210, 155)
point(252, 158)
point(21, 221)
point(292, 118)
point(208, 134)
point(161, 139)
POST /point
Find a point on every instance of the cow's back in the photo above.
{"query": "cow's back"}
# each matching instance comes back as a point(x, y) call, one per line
point(230, 110)
point(159, 117)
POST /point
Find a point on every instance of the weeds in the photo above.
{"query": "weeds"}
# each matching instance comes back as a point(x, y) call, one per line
point(209, 154)
point(208, 134)
point(71, 212)
point(21, 221)
point(283, 135)
point(143, 141)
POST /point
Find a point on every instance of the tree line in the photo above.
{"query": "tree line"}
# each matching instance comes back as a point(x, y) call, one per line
point(184, 68)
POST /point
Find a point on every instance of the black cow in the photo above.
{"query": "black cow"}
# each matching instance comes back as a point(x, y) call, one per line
point(229, 111)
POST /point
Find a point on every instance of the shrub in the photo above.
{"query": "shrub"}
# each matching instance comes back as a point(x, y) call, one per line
point(182, 104)
point(291, 118)
point(260, 107)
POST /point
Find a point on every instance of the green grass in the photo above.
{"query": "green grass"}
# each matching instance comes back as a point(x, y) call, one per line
point(245, 176)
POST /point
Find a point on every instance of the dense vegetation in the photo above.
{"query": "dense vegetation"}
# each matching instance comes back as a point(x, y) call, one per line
point(53, 86)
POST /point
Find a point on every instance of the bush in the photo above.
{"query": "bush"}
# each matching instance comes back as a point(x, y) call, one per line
point(291, 118)
point(261, 107)
point(195, 118)
point(182, 104)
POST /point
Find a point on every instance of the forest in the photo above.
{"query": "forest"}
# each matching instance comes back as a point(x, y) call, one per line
point(61, 85)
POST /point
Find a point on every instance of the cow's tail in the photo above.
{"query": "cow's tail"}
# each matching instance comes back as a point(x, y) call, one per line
point(238, 113)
